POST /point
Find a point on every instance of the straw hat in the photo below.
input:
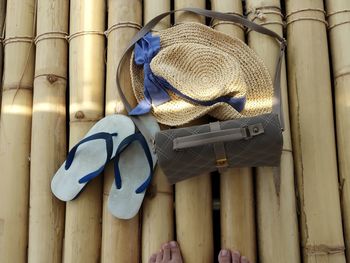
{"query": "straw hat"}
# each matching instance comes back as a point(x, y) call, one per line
point(205, 64)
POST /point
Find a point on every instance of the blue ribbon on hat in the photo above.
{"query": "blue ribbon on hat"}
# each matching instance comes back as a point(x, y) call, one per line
point(155, 87)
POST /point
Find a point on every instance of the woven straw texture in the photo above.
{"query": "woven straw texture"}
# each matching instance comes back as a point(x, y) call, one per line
point(205, 64)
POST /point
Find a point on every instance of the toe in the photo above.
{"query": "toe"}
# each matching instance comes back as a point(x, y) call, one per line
point(175, 252)
point(236, 257)
point(224, 256)
point(153, 258)
point(166, 252)
point(159, 257)
point(244, 260)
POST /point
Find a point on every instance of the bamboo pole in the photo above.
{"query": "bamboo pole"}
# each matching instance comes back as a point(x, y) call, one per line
point(193, 198)
point(153, 7)
point(276, 200)
point(189, 17)
point(86, 76)
point(120, 238)
point(15, 130)
point(158, 210)
point(339, 35)
point(236, 185)
point(313, 133)
point(2, 34)
point(48, 151)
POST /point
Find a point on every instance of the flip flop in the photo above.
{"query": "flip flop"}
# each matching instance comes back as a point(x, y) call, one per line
point(87, 159)
point(133, 167)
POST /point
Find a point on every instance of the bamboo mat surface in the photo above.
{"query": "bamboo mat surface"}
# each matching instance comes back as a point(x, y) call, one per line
point(58, 64)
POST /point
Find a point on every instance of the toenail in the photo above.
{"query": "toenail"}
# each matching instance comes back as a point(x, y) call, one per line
point(224, 252)
point(173, 244)
point(166, 245)
point(236, 253)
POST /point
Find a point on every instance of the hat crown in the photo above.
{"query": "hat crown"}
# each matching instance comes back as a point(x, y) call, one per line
point(248, 82)
point(200, 71)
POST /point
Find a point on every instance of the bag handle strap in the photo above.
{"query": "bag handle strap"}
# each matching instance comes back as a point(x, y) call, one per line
point(218, 136)
point(276, 108)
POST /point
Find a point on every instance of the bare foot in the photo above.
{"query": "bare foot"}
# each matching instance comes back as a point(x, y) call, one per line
point(226, 256)
point(170, 253)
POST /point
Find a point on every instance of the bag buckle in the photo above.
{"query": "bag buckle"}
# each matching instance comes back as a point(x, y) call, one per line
point(221, 163)
point(252, 130)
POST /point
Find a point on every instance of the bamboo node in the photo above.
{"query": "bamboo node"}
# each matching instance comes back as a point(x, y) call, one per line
point(261, 12)
point(79, 115)
point(324, 250)
point(51, 35)
point(307, 18)
point(268, 7)
point(338, 12)
point(85, 120)
point(338, 24)
point(84, 33)
point(261, 15)
point(16, 87)
point(306, 10)
point(341, 73)
point(152, 191)
point(52, 78)
point(214, 23)
point(17, 39)
point(123, 24)
point(346, 21)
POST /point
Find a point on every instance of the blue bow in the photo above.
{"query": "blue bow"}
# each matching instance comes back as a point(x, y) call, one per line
point(155, 87)
point(145, 49)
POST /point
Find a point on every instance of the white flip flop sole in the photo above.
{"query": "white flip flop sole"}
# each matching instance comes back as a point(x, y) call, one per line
point(90, 156)
point(124, 203)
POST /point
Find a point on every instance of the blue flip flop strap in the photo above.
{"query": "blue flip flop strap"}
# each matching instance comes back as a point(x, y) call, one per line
point(122, 146)
point(108, 137)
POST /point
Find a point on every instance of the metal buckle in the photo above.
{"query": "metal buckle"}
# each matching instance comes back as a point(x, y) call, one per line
point(246, 133)
point(221, 163)
point(253, 130)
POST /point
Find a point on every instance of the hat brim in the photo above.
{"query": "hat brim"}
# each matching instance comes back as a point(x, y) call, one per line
point(179, 111)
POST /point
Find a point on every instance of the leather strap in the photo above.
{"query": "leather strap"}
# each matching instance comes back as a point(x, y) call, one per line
point(139, 120)
point(219, 149)
point(217, 136)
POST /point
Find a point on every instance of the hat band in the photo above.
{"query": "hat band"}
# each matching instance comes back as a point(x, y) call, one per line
point(155, 87)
